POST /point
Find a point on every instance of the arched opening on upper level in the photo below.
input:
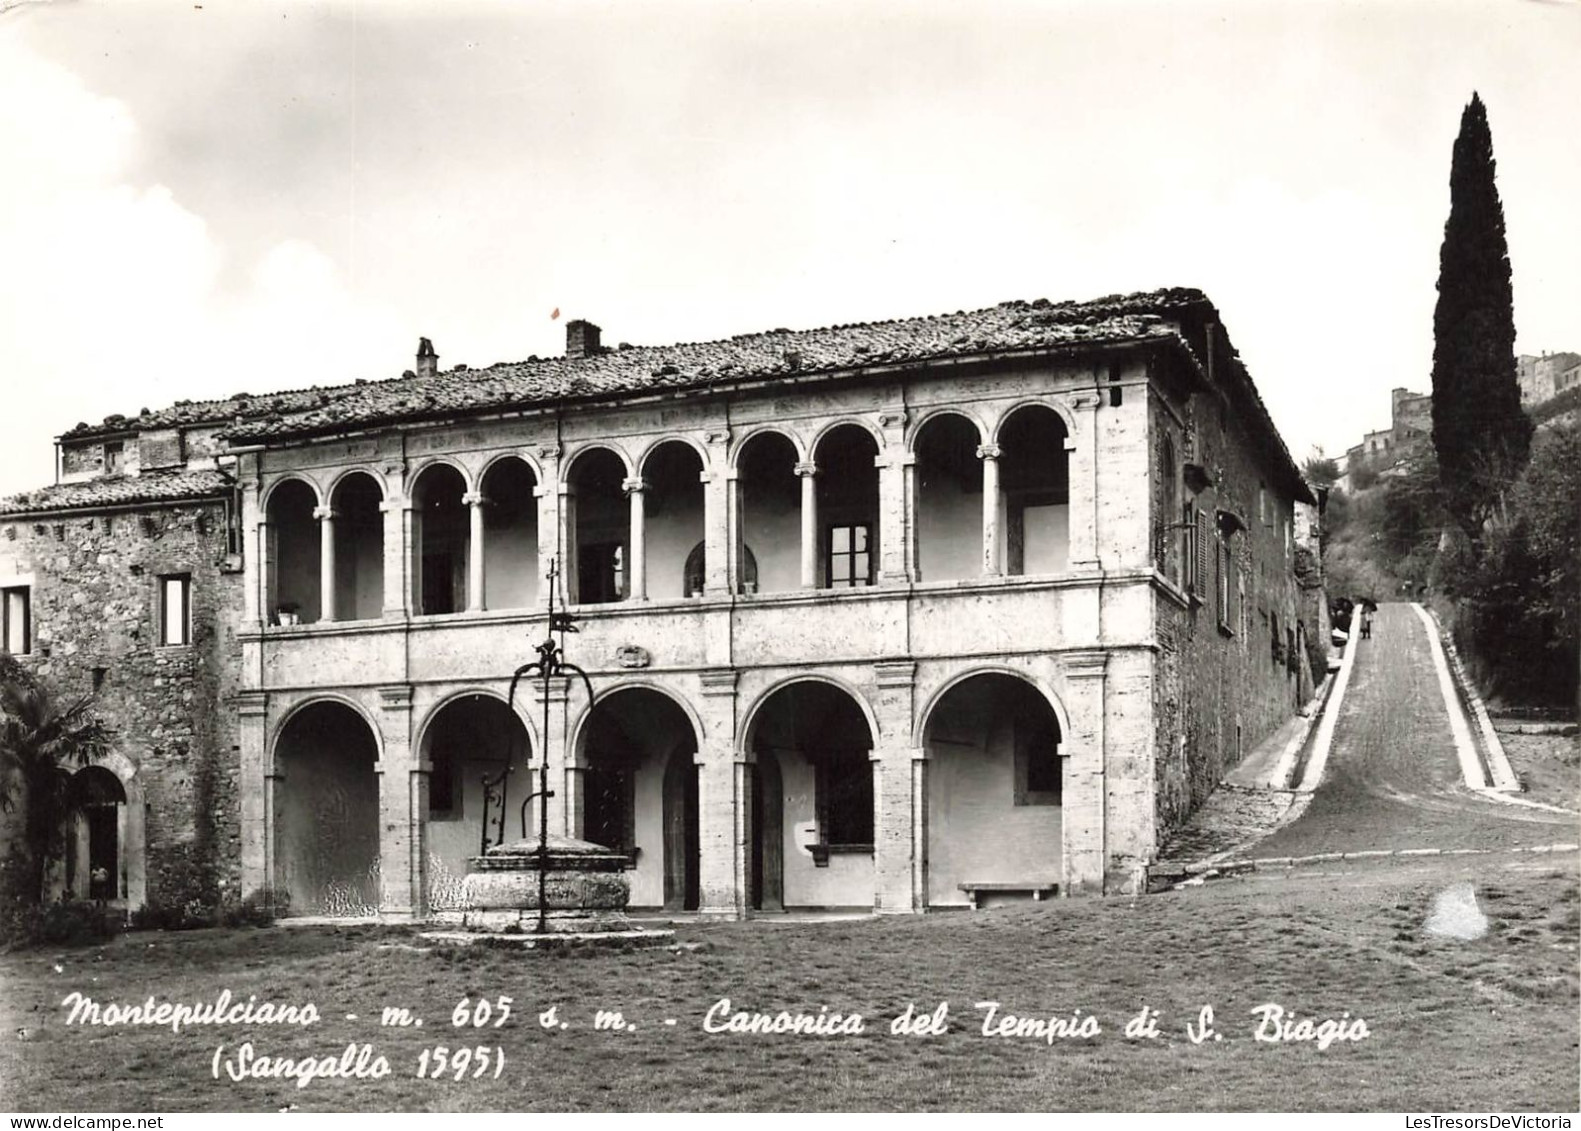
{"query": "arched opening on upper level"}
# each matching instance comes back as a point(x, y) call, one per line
point(440, 541)
point(510, 535)
point(599, 520)
point(847, 526)
point(359, 547)
point(949, 506)
point(769, 498)
point(1034, 491)
point(673, 505)
point(294, 554)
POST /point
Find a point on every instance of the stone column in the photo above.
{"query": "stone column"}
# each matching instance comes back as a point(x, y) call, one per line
point(548, 495)
point(267, 582)
point(895, 819)
point(257, 845)
point(894, 812)
point(397, 555)
point(989, 454)
point(474, 501)
point(1085, 792)
point(809, 523)
point(894, 515)
point(326, 562)
point(1083, 477)
point(919, 828)
point(636, 489)
point(724, 803)
point(403, 810)
point(718, 487)
point(252, 561)
point(724, 827)
point(565, 805)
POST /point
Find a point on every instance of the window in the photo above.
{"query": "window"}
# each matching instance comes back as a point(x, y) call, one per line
point(850, 563)
point(16, 633)
point(844, 782)
point(1229, 585)
point(175, 610)
point(113, 452)
point(444, 799)
point(1037, 762)
point(601, 572)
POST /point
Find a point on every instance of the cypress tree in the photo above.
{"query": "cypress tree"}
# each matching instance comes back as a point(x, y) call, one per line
point(1480, 433)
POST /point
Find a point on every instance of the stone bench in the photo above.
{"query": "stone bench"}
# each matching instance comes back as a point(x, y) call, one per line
point(1038, 889)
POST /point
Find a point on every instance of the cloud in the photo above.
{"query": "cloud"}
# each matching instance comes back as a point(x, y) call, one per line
point(110, 296)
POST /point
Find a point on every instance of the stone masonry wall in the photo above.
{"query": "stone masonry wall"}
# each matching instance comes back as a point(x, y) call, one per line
point(95, 615)
point(1218, 688)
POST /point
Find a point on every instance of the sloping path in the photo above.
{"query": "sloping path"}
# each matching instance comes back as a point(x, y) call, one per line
point(1393, 779)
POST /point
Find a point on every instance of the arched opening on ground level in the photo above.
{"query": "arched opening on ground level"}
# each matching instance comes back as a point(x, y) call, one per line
point(472, 803)
point(1034, 492)
point(97, 860)
point(847, 508)
point(949, 499)
point(639, 793)
point(510, 535)
point(995, 790)
point(673, 519)
point(441, 541)
point(599, 520)
point(294, 550)
point(326, 797)
point(359, 548)
point(769, 496)
point(815, 836)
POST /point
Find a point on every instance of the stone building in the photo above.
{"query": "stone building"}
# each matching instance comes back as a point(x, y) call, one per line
point(900, 615)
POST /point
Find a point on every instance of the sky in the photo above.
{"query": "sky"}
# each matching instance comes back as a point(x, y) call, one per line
point(200, 199)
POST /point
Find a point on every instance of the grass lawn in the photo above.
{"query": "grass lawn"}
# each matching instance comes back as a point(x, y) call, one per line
point(1484, 1025)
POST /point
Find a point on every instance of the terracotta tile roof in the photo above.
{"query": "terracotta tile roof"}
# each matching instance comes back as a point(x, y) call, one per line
point(832, 351)
point(698, 365)
point(692, 365)
point(118, 490)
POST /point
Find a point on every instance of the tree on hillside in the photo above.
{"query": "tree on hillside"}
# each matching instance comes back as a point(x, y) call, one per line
point(1481, 435)
point(39, 743)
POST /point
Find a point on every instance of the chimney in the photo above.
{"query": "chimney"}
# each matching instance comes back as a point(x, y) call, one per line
point(581, 339)
point(427, 359)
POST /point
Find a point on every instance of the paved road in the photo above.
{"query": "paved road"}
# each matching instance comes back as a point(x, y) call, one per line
point(1393, 780)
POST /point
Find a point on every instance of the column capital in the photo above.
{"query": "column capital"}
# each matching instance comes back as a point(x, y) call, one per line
point(1087, 400)
point(1086, 663)
point(715, 436)
point(634, 485)
point(549, 452)
point(252, 704)
point(895, 673)
point(393, 503)
point(324, 512)
point(806, 469)
point(718, 681)
point(892, 418)
point(987, 451)
point(397, 697)
point(474, 498)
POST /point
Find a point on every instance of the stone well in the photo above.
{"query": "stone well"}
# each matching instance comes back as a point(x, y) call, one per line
point(584, 888)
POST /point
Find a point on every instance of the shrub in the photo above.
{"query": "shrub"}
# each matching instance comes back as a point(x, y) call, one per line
point(259, 909)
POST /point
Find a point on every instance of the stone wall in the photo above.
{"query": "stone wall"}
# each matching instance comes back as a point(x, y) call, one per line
point(95, 591)
point(1221, 684)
